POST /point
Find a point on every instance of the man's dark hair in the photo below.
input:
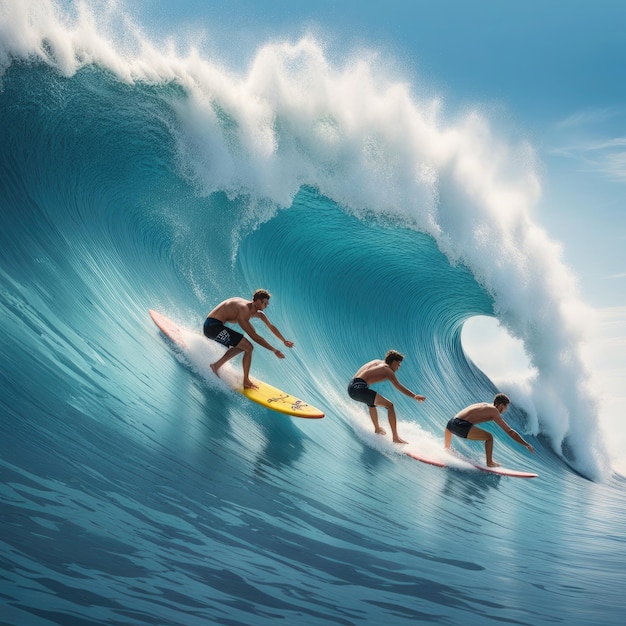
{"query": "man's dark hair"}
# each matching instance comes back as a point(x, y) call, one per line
point(393, 355)
point(261, 294)
point(501, 399)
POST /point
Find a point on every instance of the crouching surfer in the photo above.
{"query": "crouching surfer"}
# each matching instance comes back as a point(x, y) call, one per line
point(240, 311)
point(375, 372)
point(463, 424)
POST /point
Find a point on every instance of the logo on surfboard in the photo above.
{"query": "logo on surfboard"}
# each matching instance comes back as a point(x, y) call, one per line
point(298, 405)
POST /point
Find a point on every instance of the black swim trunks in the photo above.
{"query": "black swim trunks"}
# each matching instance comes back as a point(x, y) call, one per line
point(459, 427)
point(214, 329)
point(358, 390)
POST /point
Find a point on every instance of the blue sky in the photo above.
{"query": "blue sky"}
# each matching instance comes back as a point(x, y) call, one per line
point(549, 71)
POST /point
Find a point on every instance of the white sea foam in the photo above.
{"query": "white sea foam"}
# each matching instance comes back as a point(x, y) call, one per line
point(294, 117)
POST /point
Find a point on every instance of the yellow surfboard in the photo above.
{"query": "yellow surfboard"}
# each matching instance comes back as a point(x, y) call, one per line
point(266, 395)
point(280, 401)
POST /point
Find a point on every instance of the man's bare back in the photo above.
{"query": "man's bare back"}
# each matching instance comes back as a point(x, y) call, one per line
point(233, 311)
point(479, 413)
point(374, 372)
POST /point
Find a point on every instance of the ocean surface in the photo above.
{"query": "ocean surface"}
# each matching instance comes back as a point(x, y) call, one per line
point(136, 488)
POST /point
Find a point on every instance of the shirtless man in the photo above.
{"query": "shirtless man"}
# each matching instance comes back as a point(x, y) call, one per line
point(464, 425)
point(375, 372)
point(239, 311)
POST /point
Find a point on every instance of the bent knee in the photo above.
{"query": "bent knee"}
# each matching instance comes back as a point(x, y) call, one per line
point(245, 345)
point(382, 401)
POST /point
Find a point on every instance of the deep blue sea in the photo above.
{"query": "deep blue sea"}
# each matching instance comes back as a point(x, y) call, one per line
point(137, 489)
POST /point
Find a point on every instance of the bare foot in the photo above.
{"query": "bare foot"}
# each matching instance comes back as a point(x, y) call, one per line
point(398, 440)
point(493, 464)
point(214, 369)
point(380, 431)
point(248, 384)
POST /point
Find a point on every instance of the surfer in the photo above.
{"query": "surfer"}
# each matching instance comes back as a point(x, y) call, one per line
point(374, 372)
point(240, 311)
point(463, 424)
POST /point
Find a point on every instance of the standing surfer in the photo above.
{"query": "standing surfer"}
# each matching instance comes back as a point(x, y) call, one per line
point(374, 372)
point(240, 311)
point(463, 424)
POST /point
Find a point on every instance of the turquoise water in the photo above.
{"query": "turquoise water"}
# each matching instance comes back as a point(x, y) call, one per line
point(136, 490)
